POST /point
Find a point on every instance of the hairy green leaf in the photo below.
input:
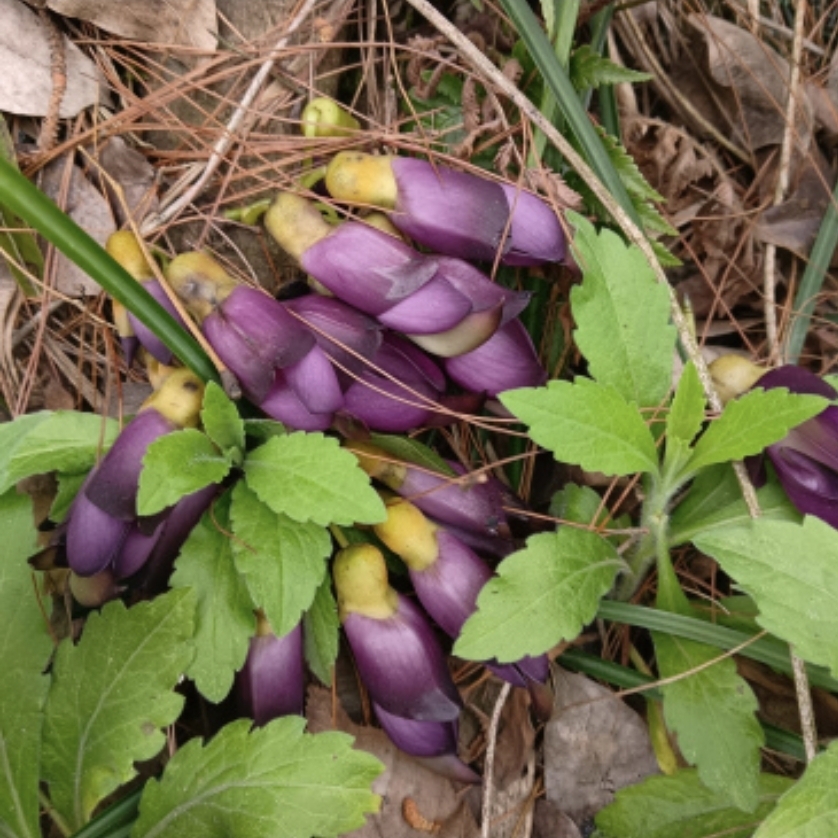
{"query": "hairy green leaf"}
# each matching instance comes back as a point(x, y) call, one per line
point(622, 317)
point(321, 630)
point(586, 424)
point(309, 477)
point(686, 416)
point(221, 420)
point(25, 648)
point(271, 782)
point(178, 464)
point(681, 805)
point(543, 594)
point(412, 451)
point(590, 69)
point(789, 570)
point(282, 560)
point(225, 621)
point(109, 697)
point(750, 423)
point(810, 808)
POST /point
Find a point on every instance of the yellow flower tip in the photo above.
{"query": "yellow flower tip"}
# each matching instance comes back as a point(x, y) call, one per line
point(382, 222)
point(119, 315)
point(178, 397)
point(733, 375)
point(125, 249)
point(359, 178)
point(409, 534)
point(361, 582)
point(263, 625)
point(324, 117)
point(295, 223)
point(375, 462)
point(200, 282)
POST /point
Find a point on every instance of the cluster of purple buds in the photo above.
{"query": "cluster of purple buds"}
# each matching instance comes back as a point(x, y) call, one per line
point(400, 661)
point(104, 538)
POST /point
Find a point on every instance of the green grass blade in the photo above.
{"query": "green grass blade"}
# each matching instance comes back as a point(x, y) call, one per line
point(40, 213)
point(812, 280)
point(571, 108)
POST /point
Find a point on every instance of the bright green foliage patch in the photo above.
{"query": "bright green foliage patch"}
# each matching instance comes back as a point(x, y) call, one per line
point(321, 628)
point(221, 420)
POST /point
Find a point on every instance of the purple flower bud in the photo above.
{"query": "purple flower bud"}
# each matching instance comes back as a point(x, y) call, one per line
point(506, 361)
point(397, 654)
point(806, 459)
point(535, 234)
point(272, 682)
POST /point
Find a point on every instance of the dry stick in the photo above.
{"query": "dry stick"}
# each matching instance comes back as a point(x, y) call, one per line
point(633, 233)
point(226, 140)
point(492, 738)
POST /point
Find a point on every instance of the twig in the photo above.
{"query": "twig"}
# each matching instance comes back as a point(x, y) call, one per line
point(488, 772)
point(173, 207)
point(804, 707)
point(632, 232)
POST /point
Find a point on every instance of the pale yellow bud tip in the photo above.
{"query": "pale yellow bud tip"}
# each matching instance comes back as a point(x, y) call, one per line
point(125, 249)
point(295, 223)
point(361, 582)
point(733, 375)
point(324, 117)
point(359, 178)
point(409, 534)
point(200, 282)
point(179, 398)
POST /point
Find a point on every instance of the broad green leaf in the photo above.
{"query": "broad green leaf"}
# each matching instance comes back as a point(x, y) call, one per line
point(682, 806)
point(810, 808)
point(686, 415)
point(109, 697)
point(588, 69)
point(622, 317)
point(412, 451)
point(283, 561)
point(178, 464)
point(750, 423)
point(309, 477)
point(221, 419)
point(715, 500)
point(789, 570)
point(269, 782)
point(543, 594)
point(25, 647)
point(321, 630)
point(586, 424)
point(61, 441)
point(68, 488)
point(580, 504)
point(224, 619)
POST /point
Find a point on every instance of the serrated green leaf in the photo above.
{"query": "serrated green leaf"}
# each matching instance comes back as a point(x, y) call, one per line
point(25, 647)
point(61, 441)
point(681, 805)
point(715, 501)
point(282, 560)
point(622, 317)
point(686, 416)
point(588, 69)
point(271, 782)
point(321, 630)
point(543, 594)
point(109, 697)
point(221, 419)
point(790, 572)
point(68, 488)
point(309, 477)
point(810, 808)
point(412, 451)
point(750, 423)
point(178, 464)
point(263, 429)
point(580, 504)
point(586, 424)
point(224, 620)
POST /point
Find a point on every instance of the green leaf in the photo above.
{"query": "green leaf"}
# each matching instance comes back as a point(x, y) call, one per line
point(224, 621)
point(543, 594)
point(750, 423)
point(221, 420)
point(580, 504)
point(68, 488)
point(309, 477)
point(686, 416)
point(263, 429)
point(590, 69)
point(622, 317)
point(586, 424)
point(715, 500)
point(810, 808)
point(321, 632)
point(25, 648)
point(789, 571)
point(282, 560)
point(109, 697)
point(412, 451)
point(178, 464)
point(271, 782)
point(61, 441)
point(681, 805)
